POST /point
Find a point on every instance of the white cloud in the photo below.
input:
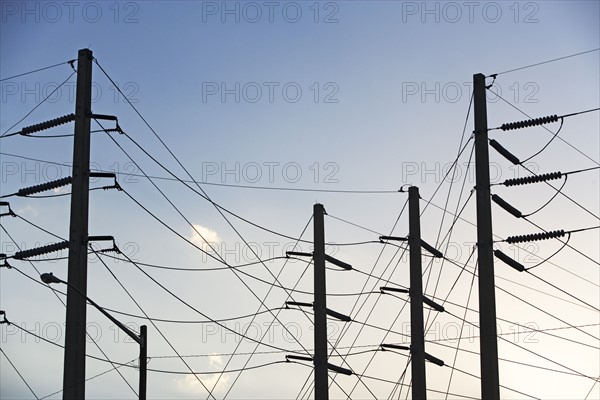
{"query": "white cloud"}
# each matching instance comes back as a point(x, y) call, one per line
point(27, 210)
point(199, 232)
point(191, 384)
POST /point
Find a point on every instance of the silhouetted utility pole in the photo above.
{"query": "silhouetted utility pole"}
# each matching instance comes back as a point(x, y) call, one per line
point(74, 362)
point(417, 336)
point(143, 361)
point(320, 306)
point(490, 384)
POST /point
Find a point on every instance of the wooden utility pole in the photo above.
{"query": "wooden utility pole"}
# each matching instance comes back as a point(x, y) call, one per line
point(490, 384)
point(320, 306)
point(74, 361)
point(417, 336)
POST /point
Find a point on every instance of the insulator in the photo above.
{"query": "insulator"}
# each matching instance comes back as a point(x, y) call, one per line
point(533, 179)
point(433, 304)
point(297, 254)
point(103, 117)
point(395, 346)
point(393, 289)
point(103, 175)
point(338, 315)
point(45, 186)
point(298, 304)
point(109, 250)
point(20, 255)
point(513, 263)
point(299, 358)
point(498, 200)
point(436, 253)
point(434, 360)
point(337, 262)
point(100, 238)
point(401, 239)
point(530, 122)
point(48, 124)
point(339, 370)
point(535, 237)
point(507, 154)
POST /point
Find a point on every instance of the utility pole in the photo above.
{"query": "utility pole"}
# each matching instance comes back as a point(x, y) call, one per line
point(74, 362)
point(417, 339)
point(490, 384)
point(417, 334)
point(320, 306)
point(143, 361)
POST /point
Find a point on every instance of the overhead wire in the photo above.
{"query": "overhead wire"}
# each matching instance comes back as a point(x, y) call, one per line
point(533, 352)
point(153, 324)
point(272, 321)
point(38, 70)
point(520, 298)
point(542, 126)
point(448, 236)
point(61, 301)
point(543, 62)
point(19, 373)
point(189, 175)
point(200, 188)
point(518, 247)
point(352, 311)
point(6, 134)
point(462, 325)
point(91, 377)
point(454, 368)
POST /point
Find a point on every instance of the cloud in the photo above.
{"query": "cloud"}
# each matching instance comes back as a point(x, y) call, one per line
point(27, 210)
point(190, 383)
point(199, 232)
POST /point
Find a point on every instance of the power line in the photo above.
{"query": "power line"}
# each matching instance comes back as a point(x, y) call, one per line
point(152, 322)
point(544, 127)
point(529, 304)
point(163, 371)
point(563, 291)
point(429, 390)
point(198, 311)
point(460, 334)
point(204, 195)
point(19, 373)
point(273, 320)
point(502, 386)
point(115, 367)
point(261, 280)
point(533, 352)
point(457, 212)
point(190, 176)
point(520, 248)
point(566, 244)
point(6, 134)
point(60, 300)
point(542, 63)
point(39, 69)
point(190, 181)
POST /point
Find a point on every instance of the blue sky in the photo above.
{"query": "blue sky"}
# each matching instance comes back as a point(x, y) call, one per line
point(316, 96)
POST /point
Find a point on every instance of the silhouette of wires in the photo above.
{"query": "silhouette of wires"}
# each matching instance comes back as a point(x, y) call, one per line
point(542, 63)
point(70, 62)
point(19, 373)
point(6, 134)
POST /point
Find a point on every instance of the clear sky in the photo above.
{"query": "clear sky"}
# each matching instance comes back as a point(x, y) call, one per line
point(275, 106)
